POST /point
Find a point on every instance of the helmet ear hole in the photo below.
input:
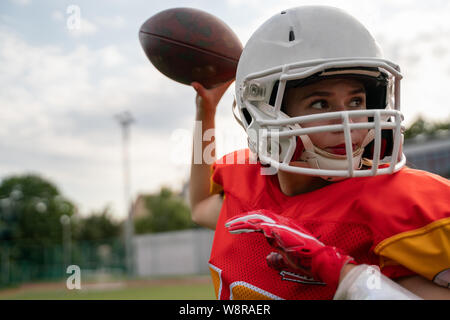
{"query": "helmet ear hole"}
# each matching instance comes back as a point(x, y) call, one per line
point(273, 95)
point(247, 117)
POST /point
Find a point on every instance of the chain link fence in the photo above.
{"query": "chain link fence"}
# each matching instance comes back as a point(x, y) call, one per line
point(167, 253)
point(28, 262)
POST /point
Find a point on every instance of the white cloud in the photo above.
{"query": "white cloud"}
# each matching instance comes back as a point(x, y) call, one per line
point(85, 28)
point(57, 15)
point(44, 89)
point(115, 22)
point(111, 56)
point(21, 2)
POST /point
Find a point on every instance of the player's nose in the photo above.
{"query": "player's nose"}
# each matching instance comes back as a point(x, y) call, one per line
point(339, 105)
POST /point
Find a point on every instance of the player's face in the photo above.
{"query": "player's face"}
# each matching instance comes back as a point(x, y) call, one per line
point(329, 95)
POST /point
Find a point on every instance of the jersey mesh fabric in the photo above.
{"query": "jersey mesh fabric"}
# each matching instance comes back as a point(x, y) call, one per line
point(242, 258)
point(353, 215)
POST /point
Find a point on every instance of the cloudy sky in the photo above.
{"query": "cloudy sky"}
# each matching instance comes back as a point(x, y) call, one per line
point(60, 87)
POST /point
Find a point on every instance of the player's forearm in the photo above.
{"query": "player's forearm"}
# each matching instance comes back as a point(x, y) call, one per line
point(365, 282)
point(417, 286)
point(424, 288)
point(345, 269)
point(201, 161)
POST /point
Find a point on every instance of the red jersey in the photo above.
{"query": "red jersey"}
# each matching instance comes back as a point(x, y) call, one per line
point(400, 222)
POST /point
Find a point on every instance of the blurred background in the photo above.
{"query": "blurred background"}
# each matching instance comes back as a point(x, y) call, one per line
point(95, 143)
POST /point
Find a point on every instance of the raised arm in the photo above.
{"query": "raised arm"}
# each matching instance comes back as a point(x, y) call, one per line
point(205, 208)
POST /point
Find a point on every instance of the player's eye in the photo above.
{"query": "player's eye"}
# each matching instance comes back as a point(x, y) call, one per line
point(319, 104)
point(357, 102)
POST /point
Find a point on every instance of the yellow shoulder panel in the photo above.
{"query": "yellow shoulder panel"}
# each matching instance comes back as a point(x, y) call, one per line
point(214, 188)
point(425, 251)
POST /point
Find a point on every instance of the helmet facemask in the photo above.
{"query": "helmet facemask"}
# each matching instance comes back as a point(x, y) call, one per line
point(272, 62)
point(284, 142)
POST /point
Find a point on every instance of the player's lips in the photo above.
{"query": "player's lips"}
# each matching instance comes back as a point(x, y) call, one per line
point(340, 149)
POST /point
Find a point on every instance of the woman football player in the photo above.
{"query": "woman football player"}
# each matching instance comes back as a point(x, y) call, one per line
point(321, 205)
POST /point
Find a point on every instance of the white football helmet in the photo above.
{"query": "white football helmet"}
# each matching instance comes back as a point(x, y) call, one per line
point(306, 44)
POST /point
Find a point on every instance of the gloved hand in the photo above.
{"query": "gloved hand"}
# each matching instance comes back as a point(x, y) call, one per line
point(296, 247)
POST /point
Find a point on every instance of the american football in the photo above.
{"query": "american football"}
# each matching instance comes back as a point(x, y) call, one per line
point(189, 45)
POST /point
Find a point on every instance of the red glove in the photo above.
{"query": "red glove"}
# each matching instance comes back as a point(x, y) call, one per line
point(298, 248)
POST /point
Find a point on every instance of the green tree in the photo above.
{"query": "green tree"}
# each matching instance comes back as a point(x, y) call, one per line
point(97, 241)
point(32, 213)
point(167, 212)
point(31, 228)
point(31, 209)
point(427, 128)
point(97, 227)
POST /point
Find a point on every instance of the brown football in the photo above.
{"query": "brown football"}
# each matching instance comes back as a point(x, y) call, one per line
point(189, 45)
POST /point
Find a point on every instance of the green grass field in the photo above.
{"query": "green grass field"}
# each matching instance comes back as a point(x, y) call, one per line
point(186, 288)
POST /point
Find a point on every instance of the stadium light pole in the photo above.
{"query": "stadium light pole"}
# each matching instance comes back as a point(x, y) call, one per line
point(67, 239)
point(125, 119)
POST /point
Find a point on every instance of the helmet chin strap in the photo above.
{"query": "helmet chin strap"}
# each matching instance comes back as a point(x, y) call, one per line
point(317, 158)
